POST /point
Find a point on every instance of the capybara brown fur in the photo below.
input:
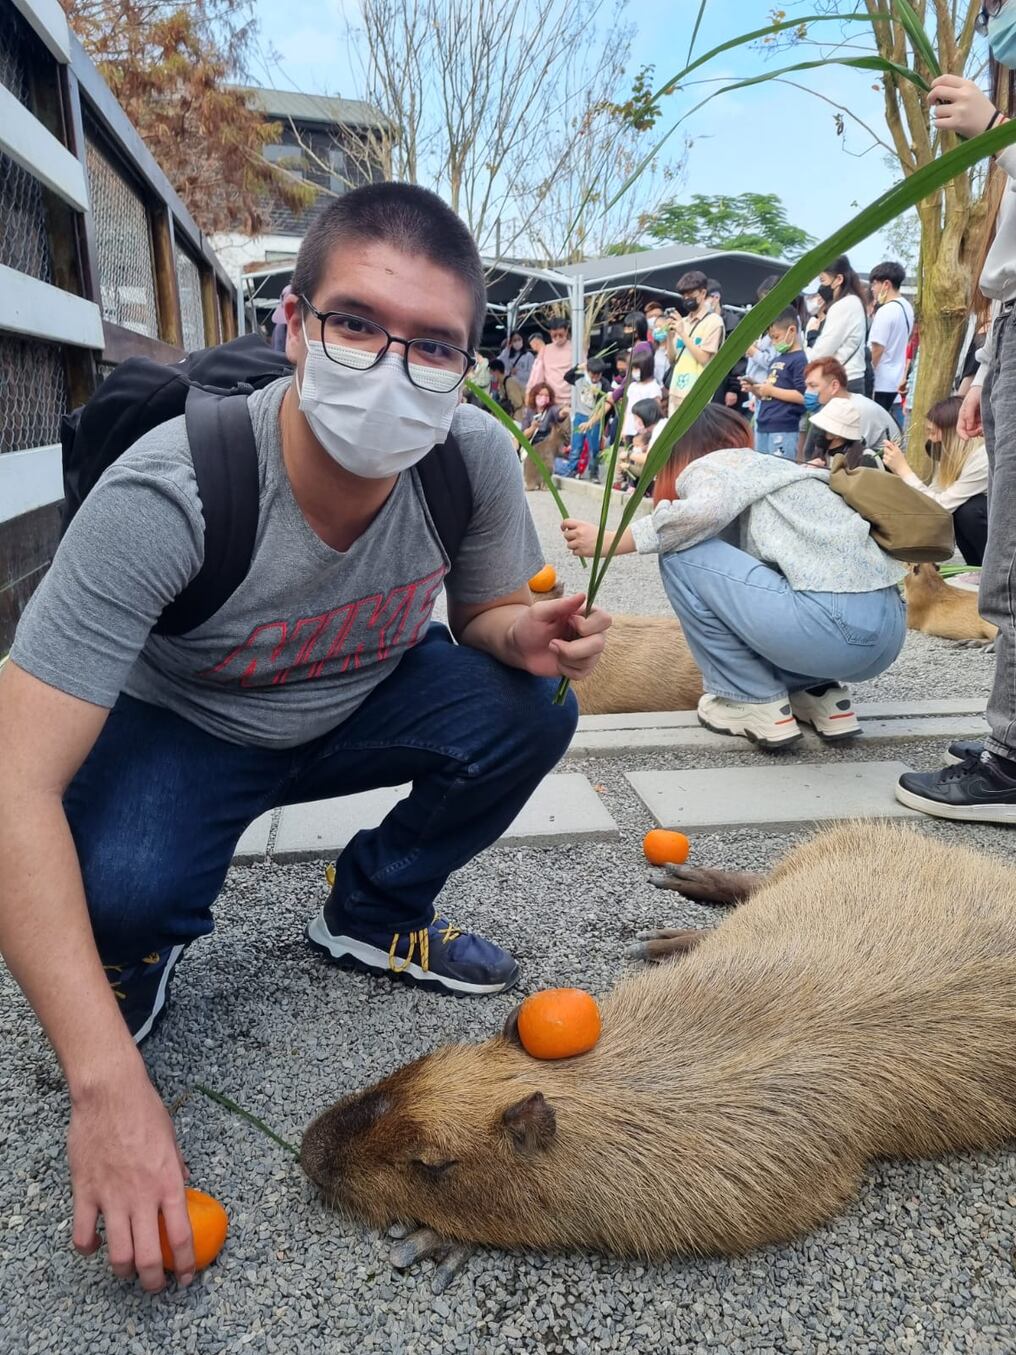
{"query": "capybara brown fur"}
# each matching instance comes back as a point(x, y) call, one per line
point(937, 608)
point(860, 1005)
point(646, 665)
point(554, 444)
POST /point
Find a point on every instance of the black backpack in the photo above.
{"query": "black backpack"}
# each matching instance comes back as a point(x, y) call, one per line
point(210, 388)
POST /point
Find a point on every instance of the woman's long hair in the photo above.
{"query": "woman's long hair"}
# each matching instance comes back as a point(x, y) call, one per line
point(851, 282)
point(715, 429)
point(955, 449)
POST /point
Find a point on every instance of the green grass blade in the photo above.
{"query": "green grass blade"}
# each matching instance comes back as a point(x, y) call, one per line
point(698, 25)
point(919, 39)
point(928, 179)
point(246, 1115)
point(864, 63)
point(512, 427)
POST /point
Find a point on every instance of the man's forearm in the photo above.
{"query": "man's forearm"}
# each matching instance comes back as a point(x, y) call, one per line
point(46, 939)
point(701, 355)
point(491, 631)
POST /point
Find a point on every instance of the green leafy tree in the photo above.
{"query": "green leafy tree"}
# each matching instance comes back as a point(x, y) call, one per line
point(756, 222)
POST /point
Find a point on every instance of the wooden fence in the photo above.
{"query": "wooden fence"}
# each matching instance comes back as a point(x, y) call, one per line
point(99, 261)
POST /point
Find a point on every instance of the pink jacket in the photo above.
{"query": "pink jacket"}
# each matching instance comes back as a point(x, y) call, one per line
point(550, 366)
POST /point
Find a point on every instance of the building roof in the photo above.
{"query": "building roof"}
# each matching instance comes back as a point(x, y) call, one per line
point(285, 103)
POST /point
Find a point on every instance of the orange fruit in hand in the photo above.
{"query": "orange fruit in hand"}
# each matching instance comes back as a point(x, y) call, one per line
point(662, 846)
point(209, 1224)
point(558, 1023)
point(544, 580)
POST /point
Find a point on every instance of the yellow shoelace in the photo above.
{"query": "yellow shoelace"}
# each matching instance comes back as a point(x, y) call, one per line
point(420, 939)
point(417, 940)
point(153, 957)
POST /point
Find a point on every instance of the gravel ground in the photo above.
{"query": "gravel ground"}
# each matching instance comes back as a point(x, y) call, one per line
point(922, 1262)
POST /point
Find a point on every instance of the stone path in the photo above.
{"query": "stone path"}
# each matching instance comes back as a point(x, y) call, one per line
point(566, 808)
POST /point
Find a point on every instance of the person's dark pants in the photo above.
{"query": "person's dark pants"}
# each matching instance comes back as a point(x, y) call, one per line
point(891, 402)
point(856, 387)
point(997, 594)
point(158, 806)
point(970, 523)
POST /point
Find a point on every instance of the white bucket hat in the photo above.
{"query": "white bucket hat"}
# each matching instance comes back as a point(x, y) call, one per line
point(841, 417)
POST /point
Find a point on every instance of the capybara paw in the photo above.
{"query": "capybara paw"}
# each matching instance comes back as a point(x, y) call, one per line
point(702, 885)
point(665, 943)
point(423, 1245)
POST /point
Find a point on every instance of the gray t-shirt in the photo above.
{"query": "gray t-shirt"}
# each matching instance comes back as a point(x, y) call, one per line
point(308, 633)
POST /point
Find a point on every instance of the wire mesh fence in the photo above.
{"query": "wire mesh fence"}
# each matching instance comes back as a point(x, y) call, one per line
point(123, 245)
point(24, 241)
point(14, 53)
point(192, 315)
point(33, 393)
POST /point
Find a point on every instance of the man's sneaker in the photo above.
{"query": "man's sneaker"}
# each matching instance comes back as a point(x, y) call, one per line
point(142, 989)
point(438, 956)
point(828, 709)
point(770, 726)
point(961, 749)
point(976, 790)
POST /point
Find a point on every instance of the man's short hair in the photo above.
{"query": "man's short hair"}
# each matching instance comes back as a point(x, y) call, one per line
point(828, 367)
point(404, 216)
point(652, 306)
point(890, 271)
point(559, 322)
point(694, 281)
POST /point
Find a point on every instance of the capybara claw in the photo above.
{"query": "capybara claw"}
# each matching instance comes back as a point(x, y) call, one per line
point(665, 943)
point(448, 1268)
point(702, 885)
point(416, 1246)
point(400, 1230)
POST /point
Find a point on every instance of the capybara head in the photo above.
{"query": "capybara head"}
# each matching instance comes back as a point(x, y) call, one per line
point(923, 579)
point(438, 1142)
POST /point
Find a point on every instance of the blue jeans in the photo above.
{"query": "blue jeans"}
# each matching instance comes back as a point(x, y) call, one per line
point(570, 464)
point(158, 806)
point(756, 639)
point(777, 444)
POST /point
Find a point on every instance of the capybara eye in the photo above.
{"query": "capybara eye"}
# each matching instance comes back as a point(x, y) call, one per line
point(434, 1171)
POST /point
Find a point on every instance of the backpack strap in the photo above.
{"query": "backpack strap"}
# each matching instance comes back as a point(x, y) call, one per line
point(225, 458)
point(449, 495)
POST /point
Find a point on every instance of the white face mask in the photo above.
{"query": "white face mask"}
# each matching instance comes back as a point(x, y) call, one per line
point(373, 422)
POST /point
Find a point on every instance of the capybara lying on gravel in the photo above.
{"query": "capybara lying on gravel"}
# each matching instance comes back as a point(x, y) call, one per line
point(937, 608)
point(861, 1005)
point(646, 665)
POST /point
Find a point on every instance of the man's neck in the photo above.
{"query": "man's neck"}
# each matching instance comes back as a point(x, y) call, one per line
point(338, 506)
point(702, 311)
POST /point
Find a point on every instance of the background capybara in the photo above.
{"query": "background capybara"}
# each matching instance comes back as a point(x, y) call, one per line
point(937, 608)
point(554, 444)
point(861, 1005)
point(646, 665)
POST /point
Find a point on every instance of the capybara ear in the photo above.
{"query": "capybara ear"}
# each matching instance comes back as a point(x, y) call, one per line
point(531, 1123)
point(510, 1029)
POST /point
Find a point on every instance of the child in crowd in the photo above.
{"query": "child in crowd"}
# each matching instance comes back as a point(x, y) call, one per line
point(781, 396)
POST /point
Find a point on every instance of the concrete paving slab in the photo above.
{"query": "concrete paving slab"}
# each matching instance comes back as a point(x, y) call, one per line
point(253, 845)
point(875, 710)
point(620, 742)
point(563, 808)
point(771, 797)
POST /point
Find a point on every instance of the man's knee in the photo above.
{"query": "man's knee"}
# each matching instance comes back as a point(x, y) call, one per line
point(526, 716)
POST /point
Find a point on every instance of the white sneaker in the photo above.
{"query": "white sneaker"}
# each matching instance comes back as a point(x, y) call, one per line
point(828, 709)
point(771, 725)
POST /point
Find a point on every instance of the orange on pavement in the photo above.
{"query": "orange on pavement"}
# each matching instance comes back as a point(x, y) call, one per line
point(662, 846)
point(209, 1224)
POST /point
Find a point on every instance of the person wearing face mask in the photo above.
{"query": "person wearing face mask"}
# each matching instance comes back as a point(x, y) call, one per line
point(844, 334)
point(518, 361)
point(981, 786)
point(134, 760)
point(826, 381)
point(553, 361)
point(959, 476)
point(693, 340)
point(890, 331)
point(781, 396)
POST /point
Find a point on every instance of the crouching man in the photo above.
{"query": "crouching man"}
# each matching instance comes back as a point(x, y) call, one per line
point(133, 760)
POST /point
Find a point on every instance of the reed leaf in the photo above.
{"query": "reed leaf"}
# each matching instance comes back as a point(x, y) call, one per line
point(891, 204)
point(246, 1115)
point(865, 63)
point(512, 427)
point(919, 39)
point(698, 25)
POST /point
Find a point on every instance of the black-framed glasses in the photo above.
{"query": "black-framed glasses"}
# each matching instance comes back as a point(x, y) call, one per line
point(989, 9)
point(352, 341)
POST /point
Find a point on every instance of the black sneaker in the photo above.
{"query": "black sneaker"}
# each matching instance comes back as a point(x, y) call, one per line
point(975, 790)
point(438, 955)
point(142, 989)
point(961, 749)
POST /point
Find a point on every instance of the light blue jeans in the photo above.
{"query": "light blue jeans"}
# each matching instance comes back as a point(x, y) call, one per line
point(777, 444)
point(755, 639)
